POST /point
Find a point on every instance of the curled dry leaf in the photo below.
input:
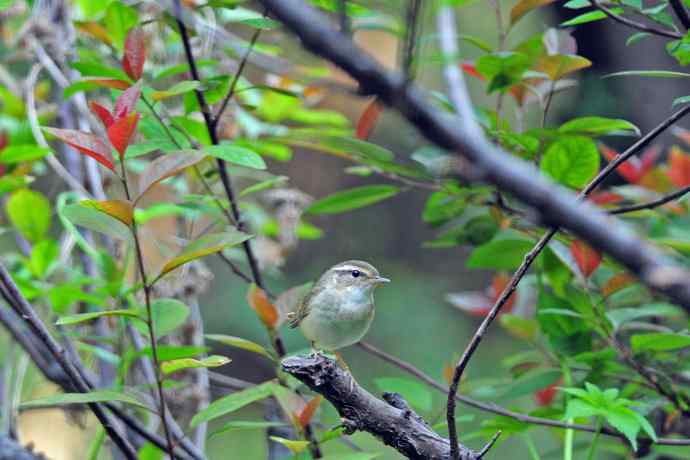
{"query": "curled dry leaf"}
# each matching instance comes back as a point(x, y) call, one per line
point(135, 54)
point(87, 143)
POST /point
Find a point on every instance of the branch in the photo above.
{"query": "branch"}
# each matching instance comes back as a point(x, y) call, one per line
point(634, 24)
point(392, 420)
point(488, 163)
point(498, 410)
point(652, 204)
point(681, 12)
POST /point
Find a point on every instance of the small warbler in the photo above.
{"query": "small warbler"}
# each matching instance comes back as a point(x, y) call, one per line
point(339, 309)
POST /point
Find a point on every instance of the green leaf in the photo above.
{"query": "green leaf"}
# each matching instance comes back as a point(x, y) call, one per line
point(623, 315)
point(207, 244)
point(577, 408)
point(119, 18)
point(625, 421)
point(13, 154)
point(233, 402)
point(680, 49)
point(589, 17)
point(680, 100)
point(241, 343)
point(649, 73)
point(82, 398)
point(571, 161)
point(502, 69)
point(352, 456)
point(175, 90)
point(661, 341)
point(265, 185)
point(237, 155)
point(599, 126)
point(43, 255)
point(29, 212)
point(167, 315)
point(174, 365)
point(353, 198)
point(166, 166)
point(531, 382)
point(93, 219)
point(242, 426)
point(505, 252)
point(83, 317)
point(96, 69)
point(170, 352)
point(417, 394)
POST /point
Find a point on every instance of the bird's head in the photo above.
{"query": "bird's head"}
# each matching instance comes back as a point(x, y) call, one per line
point(352, 274)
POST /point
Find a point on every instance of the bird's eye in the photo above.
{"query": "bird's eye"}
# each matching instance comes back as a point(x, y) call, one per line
point(355, 273)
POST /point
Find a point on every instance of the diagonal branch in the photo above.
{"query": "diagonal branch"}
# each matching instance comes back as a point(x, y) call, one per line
point(652, 204)
point(681, 12)
point(634, 24)
point(390, 420)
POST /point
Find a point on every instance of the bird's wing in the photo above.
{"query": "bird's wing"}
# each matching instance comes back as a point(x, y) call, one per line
point(296, 317)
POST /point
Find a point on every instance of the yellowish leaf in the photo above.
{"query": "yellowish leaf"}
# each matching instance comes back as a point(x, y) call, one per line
point(308, 411)
point(525, 6)
point(295, 446)
point(168, 367)
point(264, 308)
point(557, 66)
point(121, 210)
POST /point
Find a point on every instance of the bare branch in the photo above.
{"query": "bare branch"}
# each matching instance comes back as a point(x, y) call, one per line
point(681, 12)
point(391, 420)
point(634, 24)
point(652, 204)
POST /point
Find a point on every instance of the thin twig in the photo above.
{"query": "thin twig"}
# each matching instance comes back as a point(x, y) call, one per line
point(681, 12)
point(651, 204)
point(343, 18)
point(412, 22)
point(634, 24)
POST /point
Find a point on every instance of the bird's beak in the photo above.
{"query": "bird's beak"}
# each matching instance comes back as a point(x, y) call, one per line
point(381, 280)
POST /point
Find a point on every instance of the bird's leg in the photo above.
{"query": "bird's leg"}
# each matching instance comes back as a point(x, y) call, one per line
point(341, 362)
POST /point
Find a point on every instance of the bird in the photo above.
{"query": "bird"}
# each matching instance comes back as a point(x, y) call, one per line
point(339, 309)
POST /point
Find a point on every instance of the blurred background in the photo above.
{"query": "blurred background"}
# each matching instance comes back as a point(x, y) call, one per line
point(413, 319)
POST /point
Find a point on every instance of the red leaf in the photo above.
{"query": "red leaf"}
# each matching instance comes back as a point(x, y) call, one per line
point(120, 132)
point(602, 198)
point(113, 83)
point(264, 308)
point(545, 396)
point(135, 54)
point(307, 412)
point(679, 167)
point(587, 258)
point(101, 112)
point(498, 284)
point(87, 143)
point(649, 157)
point(627, 169)
point(368, 119)
point(470, 69)
point(4, 140)
point(126, 101)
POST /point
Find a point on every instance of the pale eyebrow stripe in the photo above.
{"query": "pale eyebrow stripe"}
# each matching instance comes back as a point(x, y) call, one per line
point(347, 268)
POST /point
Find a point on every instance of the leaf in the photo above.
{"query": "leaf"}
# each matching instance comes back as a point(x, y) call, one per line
point(661, 341)
point(305, 416)
point(586, 257)
point(241, 426)
point(416, 393)
point(13, 154)
point(235, 154)
point(94, 219)
point(264, 308)
point(557, 66)
point(127, 101)
point(170, 352)
point(87, 84)
point(29, 212)
point(121, 210)
point(167, 315)
point(571, 161)
point(240, 343)
point(367, 121)
point(352, 456)
point(166, 166)
point(102, 113)
point(135, 53)
point(265, 185)
point(83, 398)
point(525, 6)
point(597, 126)
point(589, 17)
point(119, 19)
point(97, 69)
point(621, 316)
point(44, 254)
point(175, 90)
point(530, 382)
point(504, 252)
point(353, 198)
point(87, 143)
point(294, 446)
point(174, 365)
point(681, 100)
point(518, 326)
point(208, 244)
point(233, 402)
point(121, 131)
point(649, 73)
point(502, 69)
point(83, 317)
point(679, 167)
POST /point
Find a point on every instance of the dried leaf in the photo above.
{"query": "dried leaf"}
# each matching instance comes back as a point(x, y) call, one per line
point(119, 209)
point(135, 54)
point(265, 310)
point(102, 113)
point(586, 257)
point(166, 166)
point(305, 416)
point(368, 119)
point(121, 131)
point(616, 283)
point(126, 101)
point(87, 143)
